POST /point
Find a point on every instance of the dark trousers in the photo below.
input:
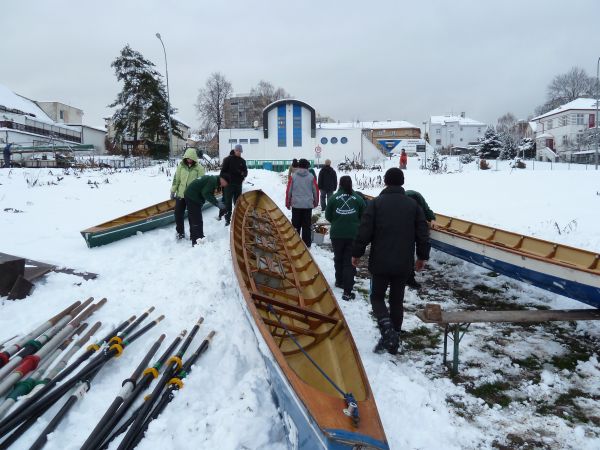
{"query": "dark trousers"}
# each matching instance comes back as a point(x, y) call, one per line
point(180, 207)
point(379, 285)
point(301, 221)
point(342, 261)
point(6, 161)
point(230, 196)
point(325, 195)
point(196, 224)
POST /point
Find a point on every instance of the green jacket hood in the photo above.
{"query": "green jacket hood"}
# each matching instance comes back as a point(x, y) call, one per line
point(191, 154)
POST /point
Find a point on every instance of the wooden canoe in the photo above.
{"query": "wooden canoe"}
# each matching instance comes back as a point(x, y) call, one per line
point(563, 270)
point(289, 304)
point(146, 219)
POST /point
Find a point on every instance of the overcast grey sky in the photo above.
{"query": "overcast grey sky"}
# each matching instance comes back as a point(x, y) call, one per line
point(367, 60)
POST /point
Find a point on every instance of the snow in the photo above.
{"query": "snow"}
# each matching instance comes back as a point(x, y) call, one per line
point(442, 120)
point(226, 403)
point(10, 100)
point(368, 125)
point(577, 104)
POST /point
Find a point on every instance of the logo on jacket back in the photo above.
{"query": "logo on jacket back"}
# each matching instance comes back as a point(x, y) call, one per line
point(345, 208)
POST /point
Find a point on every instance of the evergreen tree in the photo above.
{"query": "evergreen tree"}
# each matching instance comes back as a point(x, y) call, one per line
point(509, 146)
point(142, 103)
point(490, 145)
point(527, 148)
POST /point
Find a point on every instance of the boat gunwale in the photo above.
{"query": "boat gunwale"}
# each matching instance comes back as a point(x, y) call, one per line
point(550, 260)
point(303, 390)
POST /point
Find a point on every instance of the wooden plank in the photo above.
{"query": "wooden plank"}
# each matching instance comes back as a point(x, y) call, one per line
point(295, 308)
point(11, 267)
point(20, 289)
point(518, 316)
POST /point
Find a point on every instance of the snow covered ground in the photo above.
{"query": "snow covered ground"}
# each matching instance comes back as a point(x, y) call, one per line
point(225, 403)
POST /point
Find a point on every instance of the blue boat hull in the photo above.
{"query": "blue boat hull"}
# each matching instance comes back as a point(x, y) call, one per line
point(539, 277)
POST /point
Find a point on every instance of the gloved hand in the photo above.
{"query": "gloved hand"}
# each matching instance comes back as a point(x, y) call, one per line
point(172, 195)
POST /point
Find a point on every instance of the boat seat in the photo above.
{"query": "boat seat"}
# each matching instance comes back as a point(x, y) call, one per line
point(539, 248)
point(506, 239)
point(460, 226)
point(482, 232)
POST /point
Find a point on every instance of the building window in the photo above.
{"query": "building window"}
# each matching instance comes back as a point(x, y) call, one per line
point(438, 131)
point(460, 139)
point(281, 141)
point(564, 121)
point(565, 141)
point(479, 130)
point(297, 115)
point(461, 130)
point(579, 119)
point(549, 125)
point(592, 121)
point(233, 141)
point(254, 141)
point(344, 140)
point(380, 133)
point(438, 142)
point(323, 140)
point(62, 114)
point(243, 141)
point(334, 140)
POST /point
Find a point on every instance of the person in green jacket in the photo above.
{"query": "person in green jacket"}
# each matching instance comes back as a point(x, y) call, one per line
point(344, 210)
point(430, 217)
point(187, 171)
point(199, 191)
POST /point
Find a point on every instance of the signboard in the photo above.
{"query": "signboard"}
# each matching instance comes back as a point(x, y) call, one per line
point(318, 150)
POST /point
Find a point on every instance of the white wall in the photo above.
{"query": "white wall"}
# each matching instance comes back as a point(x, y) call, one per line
point(453, 133)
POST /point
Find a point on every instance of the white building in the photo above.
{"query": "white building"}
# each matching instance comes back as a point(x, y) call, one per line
point(290, 131)
point(29, 128)
point(560, 129)
point(450, 131)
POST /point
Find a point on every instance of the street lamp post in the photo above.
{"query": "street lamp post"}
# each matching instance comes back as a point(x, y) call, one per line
point(168, 99)
point(425, 140)
point(597, 101)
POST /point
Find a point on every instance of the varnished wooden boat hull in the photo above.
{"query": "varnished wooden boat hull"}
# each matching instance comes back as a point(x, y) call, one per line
point(146, 219)
point(568, 271)
point(283, 288)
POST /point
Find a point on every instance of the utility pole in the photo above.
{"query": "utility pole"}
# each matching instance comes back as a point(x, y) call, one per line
point(597, 101)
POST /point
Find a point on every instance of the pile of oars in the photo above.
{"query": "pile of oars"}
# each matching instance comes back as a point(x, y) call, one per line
point(114, 422)
point(26, 363)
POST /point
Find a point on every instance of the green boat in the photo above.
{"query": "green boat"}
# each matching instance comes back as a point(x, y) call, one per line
point(155, 216)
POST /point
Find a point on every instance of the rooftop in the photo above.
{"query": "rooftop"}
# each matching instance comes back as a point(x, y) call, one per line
point(368, 125)
point(580, 103)
point(442, 120)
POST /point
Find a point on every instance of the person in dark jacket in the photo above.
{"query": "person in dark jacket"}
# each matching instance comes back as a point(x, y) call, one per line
point(235, 166)
point(7, 154)
point(430, 217)
point(301, 196)
point(327, 183)
point(392, 223)
point(199, 191)
point(344, 211)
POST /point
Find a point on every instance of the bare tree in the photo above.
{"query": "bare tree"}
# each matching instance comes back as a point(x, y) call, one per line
point(567, 87)
point(211, 101)
point(264, 93)
point(506, 123)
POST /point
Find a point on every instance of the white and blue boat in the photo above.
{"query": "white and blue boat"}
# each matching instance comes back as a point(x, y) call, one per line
point(316, 375)
point(564, 270)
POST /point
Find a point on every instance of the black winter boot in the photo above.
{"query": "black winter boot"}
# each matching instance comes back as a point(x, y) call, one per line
point(389, 340)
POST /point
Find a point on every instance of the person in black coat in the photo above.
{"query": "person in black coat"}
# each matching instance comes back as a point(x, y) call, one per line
point(392, 223)
point(234, 166)
point(327, 183)
point(7, 154)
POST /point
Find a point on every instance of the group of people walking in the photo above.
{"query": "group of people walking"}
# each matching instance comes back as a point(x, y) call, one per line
point(394, 224)
point(191, 188)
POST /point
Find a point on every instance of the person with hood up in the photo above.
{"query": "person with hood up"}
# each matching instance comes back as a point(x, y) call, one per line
point(199, 191)
point(344, 211)
point(188, 170)
point(234, 166)
point(393, 224)
point(302, 195)
point(327, 183)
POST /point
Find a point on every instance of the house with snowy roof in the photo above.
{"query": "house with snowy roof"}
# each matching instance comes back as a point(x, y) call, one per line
point(561, 132)
point(446, 132)
point(31, 127)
